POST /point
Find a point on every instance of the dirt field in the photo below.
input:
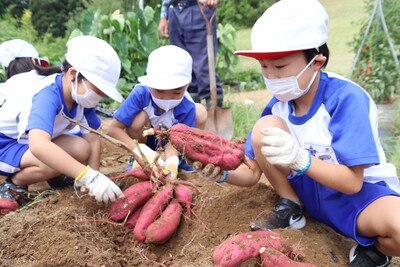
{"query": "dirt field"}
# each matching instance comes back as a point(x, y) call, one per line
point(69, 229)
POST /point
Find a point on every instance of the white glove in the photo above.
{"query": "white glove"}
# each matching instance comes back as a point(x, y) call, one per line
point(99, 186)
point(171, 166)
point(281, 149)
point(211, 172)
point(149, 153)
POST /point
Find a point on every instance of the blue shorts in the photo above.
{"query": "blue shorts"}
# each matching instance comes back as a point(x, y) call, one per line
point(336, 209)
point(11, 153)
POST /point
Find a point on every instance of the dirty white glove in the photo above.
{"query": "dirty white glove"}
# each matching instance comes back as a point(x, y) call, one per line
point(149, 153)
point(171, 166)
point(281, 149)
point(99, 186)
point(211, 172)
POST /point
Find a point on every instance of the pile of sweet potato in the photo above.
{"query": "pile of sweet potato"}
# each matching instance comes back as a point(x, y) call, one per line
point(153, 208)
point(267, 246)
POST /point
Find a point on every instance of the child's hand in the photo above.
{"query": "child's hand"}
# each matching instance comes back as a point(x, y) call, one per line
point(210, 172)
point(281, 149)
point(99, 186)
point(171, 166)
point(148, 153)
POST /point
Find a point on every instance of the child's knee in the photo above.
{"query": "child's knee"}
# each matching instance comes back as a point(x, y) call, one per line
point(201, 116)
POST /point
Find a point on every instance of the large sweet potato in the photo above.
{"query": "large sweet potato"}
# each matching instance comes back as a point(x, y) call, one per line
point(271, 257)
point(8, 205)
point(136, 172)
point(151, 210)
point(205, 146)
point(135, 196)
point(240, 248)
point(185, 197)
point(133, 217)
point(161, 230)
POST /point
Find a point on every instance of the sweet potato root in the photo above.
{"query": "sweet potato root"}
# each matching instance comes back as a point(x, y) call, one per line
point(205, 146)
point(185, 197)
point(271, 257)
point(8, 205)
point(237, 249)
point(136, 172)
point(151, 210)
point(161, 230)
point(135, 196)
point(133, 217)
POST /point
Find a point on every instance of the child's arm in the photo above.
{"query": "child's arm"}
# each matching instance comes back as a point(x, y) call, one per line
point(41, 146)
point(281, 149)
point(117, 130)
point(244, 175)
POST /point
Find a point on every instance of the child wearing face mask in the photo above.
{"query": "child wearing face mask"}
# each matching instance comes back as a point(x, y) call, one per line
point(18, 57)
point(317, 139)
point(160, 100)
point(35, 144)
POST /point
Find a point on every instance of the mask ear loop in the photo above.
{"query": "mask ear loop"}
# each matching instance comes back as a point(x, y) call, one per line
point(76, 85)
point(308, 65)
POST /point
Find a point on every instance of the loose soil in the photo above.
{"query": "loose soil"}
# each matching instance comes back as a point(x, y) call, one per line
point(70, 229)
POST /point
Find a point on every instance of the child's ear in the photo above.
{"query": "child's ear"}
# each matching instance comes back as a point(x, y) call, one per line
point(319, 62)
point(71, 73)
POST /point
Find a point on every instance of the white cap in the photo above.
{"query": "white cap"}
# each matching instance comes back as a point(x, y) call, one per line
point(17, 48)
point(97, 61)
point(169, 67)
point(288, 27)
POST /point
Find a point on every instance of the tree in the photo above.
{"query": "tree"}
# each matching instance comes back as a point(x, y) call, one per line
point(51, 16)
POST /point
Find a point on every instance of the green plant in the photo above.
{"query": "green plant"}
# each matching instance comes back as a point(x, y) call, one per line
point(133, 35)
point(376, 70)
point(244, 118)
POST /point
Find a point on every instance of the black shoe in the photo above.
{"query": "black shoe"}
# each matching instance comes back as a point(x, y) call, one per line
point(14, 192)
point(287, 214)
point(60, 182)
point(370, 256)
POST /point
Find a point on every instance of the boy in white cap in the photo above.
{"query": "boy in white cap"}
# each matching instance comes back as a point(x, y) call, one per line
point(18, 56)
point(317, 139)
point(34, 143)
point(160, 99)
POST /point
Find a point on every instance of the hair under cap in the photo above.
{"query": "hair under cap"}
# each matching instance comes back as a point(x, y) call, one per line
point(97, 61)
point(169, 67)
point(288, 27)
point(17, 48)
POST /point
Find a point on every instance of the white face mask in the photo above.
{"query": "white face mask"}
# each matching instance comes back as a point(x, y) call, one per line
point(167, 104)
point(286, 89)
point(88, 100)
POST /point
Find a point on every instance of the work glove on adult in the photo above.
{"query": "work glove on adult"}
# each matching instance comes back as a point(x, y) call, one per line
point(210, 172)
point(99, 186)
point(171, 166)
point(279, 148)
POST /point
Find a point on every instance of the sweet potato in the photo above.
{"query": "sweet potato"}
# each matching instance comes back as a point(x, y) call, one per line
point(8, 205)
point(161, 230)
point(136, 172)
point(151, 210)
point(237, 249)
point(185, 197)
point(135, 196)
point(271, 257)
point(133, 217)
point(205, 146)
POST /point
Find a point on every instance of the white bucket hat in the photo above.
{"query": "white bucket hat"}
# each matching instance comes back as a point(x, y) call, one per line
point(169, 67)
point(288, 27)
point(98, 62)
point(17, 48)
